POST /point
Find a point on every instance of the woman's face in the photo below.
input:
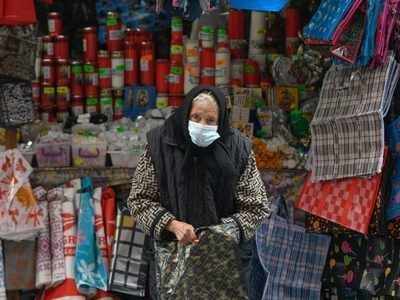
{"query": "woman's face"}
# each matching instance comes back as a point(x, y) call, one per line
point(204, 112)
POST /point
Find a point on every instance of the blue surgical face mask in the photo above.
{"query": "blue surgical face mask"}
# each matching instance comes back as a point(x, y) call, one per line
point(203, 135)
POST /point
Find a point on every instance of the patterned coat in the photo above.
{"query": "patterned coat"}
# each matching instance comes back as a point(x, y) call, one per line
point(144, 202)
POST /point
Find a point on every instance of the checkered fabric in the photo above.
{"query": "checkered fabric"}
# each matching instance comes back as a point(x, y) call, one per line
point(293, 258)
point(348, 202)
point(129, 268)
point(348, 129)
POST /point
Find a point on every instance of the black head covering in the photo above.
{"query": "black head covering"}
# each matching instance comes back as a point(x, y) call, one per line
point(206, 175)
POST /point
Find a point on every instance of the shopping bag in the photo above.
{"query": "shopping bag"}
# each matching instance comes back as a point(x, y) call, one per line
point(294, 258)
point(90, 269)
point(345, 264)
point(16, 106)
point(209, 270)
point(382, 261)
point(326, 19)
point(348, 37)
point(17, 51)
point(332, 206)
point(348, 129)
point(368, 44)
point(384, 31)
point(347, 202)
point(129, 266)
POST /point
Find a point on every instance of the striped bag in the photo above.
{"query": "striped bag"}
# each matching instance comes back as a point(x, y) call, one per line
point(293, 258)
point(347, 130)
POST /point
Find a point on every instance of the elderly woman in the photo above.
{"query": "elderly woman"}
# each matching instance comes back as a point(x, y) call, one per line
point(197, 171)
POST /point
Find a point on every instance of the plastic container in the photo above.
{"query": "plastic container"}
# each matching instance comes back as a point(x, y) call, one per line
point(124, 159)
point(89, 155)
point(53, 154)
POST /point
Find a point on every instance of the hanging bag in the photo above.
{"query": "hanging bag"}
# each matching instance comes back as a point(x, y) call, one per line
point(294, 258)
point(18, 45)
point(16, 106)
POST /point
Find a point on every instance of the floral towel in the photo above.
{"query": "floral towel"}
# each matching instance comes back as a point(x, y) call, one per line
point(15, 171)
point(67, 289)
point(43, 254)
point(55, 197)
point(20, 215)
point(91, 271)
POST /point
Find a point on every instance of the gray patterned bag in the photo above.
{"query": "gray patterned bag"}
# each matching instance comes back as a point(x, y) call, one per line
point(17, 51)
point(208, 270)
point(16, 106)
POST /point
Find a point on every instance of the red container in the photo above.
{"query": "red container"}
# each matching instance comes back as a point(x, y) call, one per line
point(131, 63)
point(176, 78)
point(176, 31)
point(62, 72)
point(147, 64)
point(130, 36)
point(236, 25)
point(90, 44)
point(48, 72)
point(48, 46)
point(118, 104)
point(47, 97)
point(104, 65)
point(251, 74)
point(114, 33)
point(36, 91)
point(61, 47)
point(62, 98)
point(162, 73)
point(207, 66)
point(48, 115)
point(91, 80)
point(237, 70)
point(142, 36)
point(77, 79)
point(77, 105)
point(55, 24)
point(292, 22)
point(176, 101)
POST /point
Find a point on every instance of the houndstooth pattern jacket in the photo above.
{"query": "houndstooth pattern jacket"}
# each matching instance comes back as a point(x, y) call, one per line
point(144, 204)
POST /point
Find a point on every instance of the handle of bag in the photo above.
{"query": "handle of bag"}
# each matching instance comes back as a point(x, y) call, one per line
point(88, 154)
point(284, 209)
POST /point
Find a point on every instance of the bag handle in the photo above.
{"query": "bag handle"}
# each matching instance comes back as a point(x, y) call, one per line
point(284, 210)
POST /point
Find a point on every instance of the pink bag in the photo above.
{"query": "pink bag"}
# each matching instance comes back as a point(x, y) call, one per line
point(349, 35)
point(384, 31)
point(346, 21)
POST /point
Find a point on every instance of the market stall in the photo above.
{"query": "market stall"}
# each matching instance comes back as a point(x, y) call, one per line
point(313, 85)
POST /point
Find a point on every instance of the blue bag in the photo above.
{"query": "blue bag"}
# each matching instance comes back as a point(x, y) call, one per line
point(324, 22)
point(90, 269)
point(293, 258)
point(261, 5)
point(368, 46)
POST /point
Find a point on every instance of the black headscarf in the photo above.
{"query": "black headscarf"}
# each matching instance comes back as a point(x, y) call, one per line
point(204, 189)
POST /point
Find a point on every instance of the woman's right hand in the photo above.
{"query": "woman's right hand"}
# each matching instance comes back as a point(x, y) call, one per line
point(184, 232)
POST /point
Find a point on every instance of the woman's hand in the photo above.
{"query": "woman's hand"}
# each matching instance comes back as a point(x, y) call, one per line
point(184, 232)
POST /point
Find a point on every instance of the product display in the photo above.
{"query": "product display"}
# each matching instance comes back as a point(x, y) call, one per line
point(312, 85)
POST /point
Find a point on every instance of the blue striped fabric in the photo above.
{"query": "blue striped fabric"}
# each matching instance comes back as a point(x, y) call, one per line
point(293, 258)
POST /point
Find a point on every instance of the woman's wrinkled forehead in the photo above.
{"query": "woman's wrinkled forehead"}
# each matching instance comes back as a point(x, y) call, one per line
point(205, 97)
